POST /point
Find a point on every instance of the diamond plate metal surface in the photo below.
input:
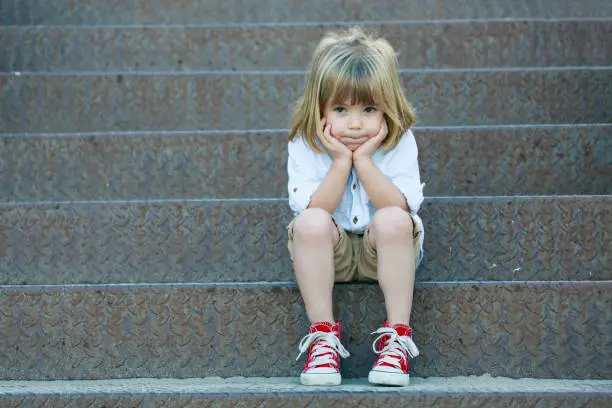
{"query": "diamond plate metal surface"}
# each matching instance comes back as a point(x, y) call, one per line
point(520, 161)
point(69, 103)
point(535, 330)
point(309, 401)
point(567, 160)
point(466, 239)
point(435, 45)
point(224, 165)
point(237, 11)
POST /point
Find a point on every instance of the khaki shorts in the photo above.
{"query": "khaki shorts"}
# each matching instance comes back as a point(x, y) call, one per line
point(354, 257)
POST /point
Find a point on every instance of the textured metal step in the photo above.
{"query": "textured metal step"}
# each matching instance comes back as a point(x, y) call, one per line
point(238, 11)
point(284, 392)
point(535, 330)
point(505, 238)
point(524, 160)
point(446, 44)
point(69, 103)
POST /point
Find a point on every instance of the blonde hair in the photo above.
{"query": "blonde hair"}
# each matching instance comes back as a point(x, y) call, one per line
point(355, 66)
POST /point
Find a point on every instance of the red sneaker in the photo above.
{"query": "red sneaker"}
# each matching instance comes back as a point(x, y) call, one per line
point(394, 352)
point(323, 344)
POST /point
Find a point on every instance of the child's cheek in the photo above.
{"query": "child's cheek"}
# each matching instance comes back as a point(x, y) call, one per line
point(336, 129)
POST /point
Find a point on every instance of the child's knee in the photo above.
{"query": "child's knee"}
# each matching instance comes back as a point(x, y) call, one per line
point(313, 224)
point(392, 223)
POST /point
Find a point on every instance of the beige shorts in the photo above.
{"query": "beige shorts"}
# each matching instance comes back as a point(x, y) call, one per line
point(354, 257)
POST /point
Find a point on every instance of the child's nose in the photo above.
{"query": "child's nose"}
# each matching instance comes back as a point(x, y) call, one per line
point(355, 122)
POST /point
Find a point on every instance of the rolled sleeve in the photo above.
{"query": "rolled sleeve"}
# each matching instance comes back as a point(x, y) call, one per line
point(300, 195)
point(402, 168)
point(411, 189)
point(302, 171)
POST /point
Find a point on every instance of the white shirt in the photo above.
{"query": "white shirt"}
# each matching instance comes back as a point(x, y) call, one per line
point(307, 169)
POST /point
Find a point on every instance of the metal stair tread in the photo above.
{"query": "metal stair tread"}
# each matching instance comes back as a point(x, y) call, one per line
point(469, 385)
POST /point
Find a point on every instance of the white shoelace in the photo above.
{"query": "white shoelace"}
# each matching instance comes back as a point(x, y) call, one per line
point(323, 350)
point(397, 346)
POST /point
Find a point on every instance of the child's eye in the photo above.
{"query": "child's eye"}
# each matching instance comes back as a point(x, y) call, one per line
point(371, 109)
point(340, 109)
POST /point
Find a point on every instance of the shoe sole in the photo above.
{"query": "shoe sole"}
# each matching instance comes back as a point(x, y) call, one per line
point(321, 379)
point(385, 378)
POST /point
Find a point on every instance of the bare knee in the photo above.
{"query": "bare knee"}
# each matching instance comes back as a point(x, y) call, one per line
point(313, 225)
point(392, 224)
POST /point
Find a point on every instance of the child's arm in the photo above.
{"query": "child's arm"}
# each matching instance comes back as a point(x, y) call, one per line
point(397, 182)
point(381, 191)
point(330, 192)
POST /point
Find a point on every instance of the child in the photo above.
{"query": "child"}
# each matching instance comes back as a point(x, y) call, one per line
point(355, 188)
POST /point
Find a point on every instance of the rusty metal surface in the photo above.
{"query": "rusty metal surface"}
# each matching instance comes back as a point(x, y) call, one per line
point(535, 330)
point(171, 101)
point(474, 44)
point(281, 11)
point(555, 238)
point(516, 329)
point(565, 160)
point(335, 399)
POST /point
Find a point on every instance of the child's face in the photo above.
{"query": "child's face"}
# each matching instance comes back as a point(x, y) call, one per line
point(353, 124)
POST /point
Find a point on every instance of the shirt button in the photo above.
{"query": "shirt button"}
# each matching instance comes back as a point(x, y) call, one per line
point(295, 189)
point(355, 220)
point(354, 186)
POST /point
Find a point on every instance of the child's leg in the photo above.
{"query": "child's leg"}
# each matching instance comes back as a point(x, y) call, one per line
point(391, 234)
point(315, 243)
point(314, 239)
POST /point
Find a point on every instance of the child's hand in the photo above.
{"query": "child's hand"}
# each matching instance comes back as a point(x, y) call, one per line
point(336, 148)
point(366, 150)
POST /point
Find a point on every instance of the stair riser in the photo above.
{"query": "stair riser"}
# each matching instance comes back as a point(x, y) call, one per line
point(237, 11)
point(513, 239)
point(339, 400)
point(434, 45)
point(522, 161)
point(515, 330)
point(193, 102)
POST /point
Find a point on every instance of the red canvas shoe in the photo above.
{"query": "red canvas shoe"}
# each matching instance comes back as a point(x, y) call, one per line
point(395, 348)
point(323, 344)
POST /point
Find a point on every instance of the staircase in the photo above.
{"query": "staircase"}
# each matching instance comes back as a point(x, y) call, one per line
point(143, 203)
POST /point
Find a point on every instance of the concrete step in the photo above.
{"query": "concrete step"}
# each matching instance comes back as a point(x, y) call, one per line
point(444, 44)
point(503, 238)
point(286, 391)
point(459, 161)
point(54, 12)
point(246, 100)
point(530, 329)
